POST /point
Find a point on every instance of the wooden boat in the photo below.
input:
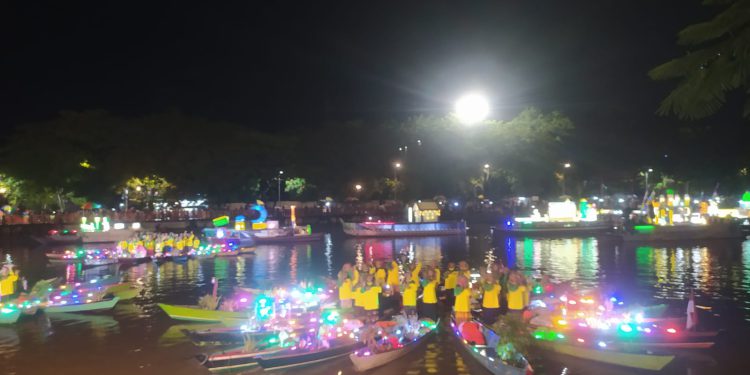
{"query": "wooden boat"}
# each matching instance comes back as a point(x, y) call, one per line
point(222, 335)
point(364, 360)
point(131, 261)
point(235, 359)
point(289, 357)
point(486, 354)
point(81, 307)
point(391, 229)
point(554, 228)
point(9, 315)
point(285, 236)
point(196, 314)
point(633, 360)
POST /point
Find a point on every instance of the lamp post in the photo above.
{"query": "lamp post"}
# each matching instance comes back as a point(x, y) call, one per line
point(472, 108)
point(650, 170)
point(566, 165)
point(396, 167)
point(486, 170)
point(278, 190)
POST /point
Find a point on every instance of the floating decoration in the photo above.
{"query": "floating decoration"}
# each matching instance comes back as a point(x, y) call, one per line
point(221, 221)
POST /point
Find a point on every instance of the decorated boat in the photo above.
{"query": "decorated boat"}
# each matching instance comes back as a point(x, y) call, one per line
point(393, 229)
point(123, 291)
point(65, 307)
point(197, 314)
point(484, 351)
point(286, 235)
point(560, 228)
point(398, 342)
point(321, 351)
point(599, 351)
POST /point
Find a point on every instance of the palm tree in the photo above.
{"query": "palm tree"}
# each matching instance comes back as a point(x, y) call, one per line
point(717, 62)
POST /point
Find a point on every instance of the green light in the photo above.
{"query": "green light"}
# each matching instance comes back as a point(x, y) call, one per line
point(643, 229)
point(746, 196)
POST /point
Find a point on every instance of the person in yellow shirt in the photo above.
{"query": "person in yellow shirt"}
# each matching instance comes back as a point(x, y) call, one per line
point(358, 297)
point(380, 273)
point(393, 277)
point(345, 278)
point(449, 283)
point(415, 268)
point(8, 278)
point(409, 297)
point(462, 302)
point(371, 298)
point(518, 294)
point(490, 299)
point(429, 296)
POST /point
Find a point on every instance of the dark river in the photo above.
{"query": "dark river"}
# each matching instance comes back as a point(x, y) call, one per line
point(138, 338)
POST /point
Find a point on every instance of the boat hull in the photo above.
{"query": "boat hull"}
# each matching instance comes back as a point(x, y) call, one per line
point(632, 360)
point(81, 307)
point(403, 230)
point(234, 359)
point(9, 316)
point(289, 359)
point(685, 232)
point(288, 239)
point(556, 229)
point(364, 363)
point(195, 314)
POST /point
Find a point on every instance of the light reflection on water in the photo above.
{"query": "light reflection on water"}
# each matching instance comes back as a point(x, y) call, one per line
point(719, 272)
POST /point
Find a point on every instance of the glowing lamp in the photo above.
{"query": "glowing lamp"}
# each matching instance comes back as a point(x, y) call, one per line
point(671, 330)
point(119, 226)
point(472, 108)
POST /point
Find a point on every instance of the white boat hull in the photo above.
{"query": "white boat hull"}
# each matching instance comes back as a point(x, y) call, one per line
point(115, 235)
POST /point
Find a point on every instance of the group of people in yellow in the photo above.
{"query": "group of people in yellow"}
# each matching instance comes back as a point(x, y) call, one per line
point(160, 243)
point(417, 289)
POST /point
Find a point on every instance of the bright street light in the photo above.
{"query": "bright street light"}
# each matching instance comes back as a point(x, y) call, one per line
point(486, 166)
point(397, 165)
point(566, 165)
point(3, 190)
point(281, 172)
point(357, 187)
point(472, 108)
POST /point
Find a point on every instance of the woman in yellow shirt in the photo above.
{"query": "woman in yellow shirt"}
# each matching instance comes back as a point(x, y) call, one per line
point(8, 278)
point(429, 296)
point(518, 295)
point(451, 273)
point(490, 299)
point(393, 276)
point(345, 278)
point(462, 303)
point(409, 297)
point(371, 299)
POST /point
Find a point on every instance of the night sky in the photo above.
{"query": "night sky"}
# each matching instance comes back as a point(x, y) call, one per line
point(278, 66)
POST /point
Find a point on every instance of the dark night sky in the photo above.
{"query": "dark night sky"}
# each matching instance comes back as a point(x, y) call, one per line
point(282, 65)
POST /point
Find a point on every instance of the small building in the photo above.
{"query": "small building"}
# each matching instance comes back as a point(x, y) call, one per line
point(423, 212)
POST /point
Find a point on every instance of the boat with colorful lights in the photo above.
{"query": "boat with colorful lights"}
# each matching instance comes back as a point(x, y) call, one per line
point(562, 219)
point(399, 340)
point(9, 315)
point(64, 307)
point(480, 343)
point(59, 237)
point(237, 358)
point(394, 229)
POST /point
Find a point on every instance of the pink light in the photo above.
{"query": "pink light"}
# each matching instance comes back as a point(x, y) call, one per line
point(379, 222)
point(671, 330)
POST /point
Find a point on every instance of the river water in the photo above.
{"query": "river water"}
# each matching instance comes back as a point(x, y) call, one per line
point(138, 338)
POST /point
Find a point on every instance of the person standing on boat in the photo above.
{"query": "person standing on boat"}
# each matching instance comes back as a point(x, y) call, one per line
point(692, 314)
point(8, 278)
point(345, 278)
point(409, 297)
point(490, 299)
point(393, 275)
point(415, 269)
point(371, 298)
point(449, 283)
point(462, 301)
point(429, 295)
point(518, 294)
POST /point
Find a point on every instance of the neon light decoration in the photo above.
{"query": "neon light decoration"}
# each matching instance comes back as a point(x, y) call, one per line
point(262, 213)
point(221, 221)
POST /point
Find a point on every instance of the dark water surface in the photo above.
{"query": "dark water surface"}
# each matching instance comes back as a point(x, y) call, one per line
point(137, 338)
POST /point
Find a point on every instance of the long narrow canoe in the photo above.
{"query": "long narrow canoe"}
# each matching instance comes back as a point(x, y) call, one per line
point(289, 358)
point(633, 360)
point(80, 307)
point(364, 360)
point(9, 315)
point(196, 314)
point(486, 354)
point(234, 359)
